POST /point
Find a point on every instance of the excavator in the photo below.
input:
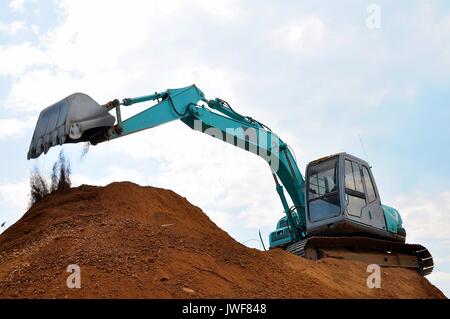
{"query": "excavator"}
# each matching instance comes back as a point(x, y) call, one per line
point(335, 212)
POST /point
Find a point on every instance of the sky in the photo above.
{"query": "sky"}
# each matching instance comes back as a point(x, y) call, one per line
point(368, 78)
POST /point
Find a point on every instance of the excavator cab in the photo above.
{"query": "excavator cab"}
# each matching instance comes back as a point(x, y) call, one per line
point(342, 199)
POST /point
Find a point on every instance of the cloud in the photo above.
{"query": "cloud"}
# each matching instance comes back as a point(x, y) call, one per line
point(304, 36)
point(35, 29)
point(15, 196)
point(82, 54)
point(77, 45)
point(442, 280)
point(40, 88)
point(14, 200)
point(441, 276)
point(18, 5)
point(220, 8)
point(113, 174)
point(12, 28)
point(431, 27)
point(14, 127)
point(212, 80)
point(425, 215)
point(19, 57)
point(442, 259)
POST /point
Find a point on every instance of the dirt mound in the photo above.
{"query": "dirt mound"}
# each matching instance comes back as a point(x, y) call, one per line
point(132, 242)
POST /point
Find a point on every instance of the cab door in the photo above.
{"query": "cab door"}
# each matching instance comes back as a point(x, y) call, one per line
point(354, 192)
point(362, 200)
point(373, 209)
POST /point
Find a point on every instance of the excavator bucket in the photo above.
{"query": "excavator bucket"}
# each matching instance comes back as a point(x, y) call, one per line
point(76, 118)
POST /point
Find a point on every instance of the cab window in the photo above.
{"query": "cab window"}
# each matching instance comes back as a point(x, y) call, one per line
point(371, 195)
point(283, 223)
point(323, 195)
point(354, 190)
point(353, 179)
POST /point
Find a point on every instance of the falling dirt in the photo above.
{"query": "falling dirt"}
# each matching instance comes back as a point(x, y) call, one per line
point(144, 242)
point(60, 180)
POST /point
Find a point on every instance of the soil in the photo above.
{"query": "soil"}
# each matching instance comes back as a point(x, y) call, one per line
point(132, 241)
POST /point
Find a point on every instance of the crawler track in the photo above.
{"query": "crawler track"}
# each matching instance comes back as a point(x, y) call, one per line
point(383, 252)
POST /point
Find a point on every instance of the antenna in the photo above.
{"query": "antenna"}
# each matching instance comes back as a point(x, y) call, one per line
point(262, 241)
point(363, 148)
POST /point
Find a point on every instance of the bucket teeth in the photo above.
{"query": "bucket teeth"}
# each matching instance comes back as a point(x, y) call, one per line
point(71, 120)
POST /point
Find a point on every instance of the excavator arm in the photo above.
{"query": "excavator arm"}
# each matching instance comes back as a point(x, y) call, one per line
point(79, 118)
